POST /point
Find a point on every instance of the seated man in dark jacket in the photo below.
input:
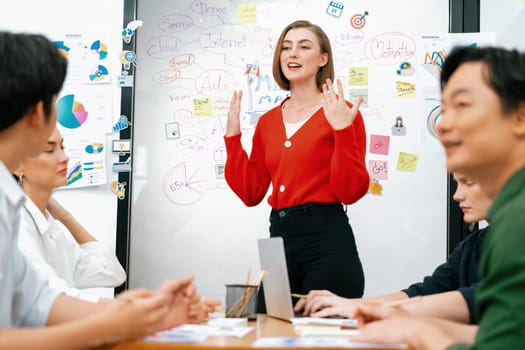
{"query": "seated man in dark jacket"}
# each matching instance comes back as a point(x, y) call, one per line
point(449, 291)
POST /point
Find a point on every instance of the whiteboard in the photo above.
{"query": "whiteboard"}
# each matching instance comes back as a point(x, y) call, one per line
point(191, 55)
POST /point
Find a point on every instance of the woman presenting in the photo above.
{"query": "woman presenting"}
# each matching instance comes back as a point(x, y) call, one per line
point(311, 148)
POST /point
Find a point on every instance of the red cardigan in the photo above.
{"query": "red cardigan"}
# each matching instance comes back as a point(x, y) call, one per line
point(317, 164)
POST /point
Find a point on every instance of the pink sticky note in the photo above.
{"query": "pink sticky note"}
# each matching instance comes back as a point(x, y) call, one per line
point(379, 144)
point(378, 169)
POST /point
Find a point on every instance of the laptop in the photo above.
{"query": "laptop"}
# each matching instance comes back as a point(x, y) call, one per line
point(276, 284)
point(277, 287)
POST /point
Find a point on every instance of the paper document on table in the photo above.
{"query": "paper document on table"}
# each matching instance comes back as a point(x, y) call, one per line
point(193, 333)
point(178, 335)
point(341, 322)
point(219, 330)
point(324, 331)
point(228, 322)
point(226, 331)
point(278, 342)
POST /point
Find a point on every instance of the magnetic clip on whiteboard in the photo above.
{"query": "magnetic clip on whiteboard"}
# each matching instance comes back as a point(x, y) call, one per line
point(127, 34)
point(119, 167)
point(119, 189)
point(125, 79)
point(335, 8)
point(128, 58)
point(121, 147)
point(122, 123)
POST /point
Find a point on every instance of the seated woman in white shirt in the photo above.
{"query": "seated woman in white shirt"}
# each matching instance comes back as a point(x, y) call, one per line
point(59, 247)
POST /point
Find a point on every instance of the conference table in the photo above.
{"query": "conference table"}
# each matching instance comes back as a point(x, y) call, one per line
point(263, 327)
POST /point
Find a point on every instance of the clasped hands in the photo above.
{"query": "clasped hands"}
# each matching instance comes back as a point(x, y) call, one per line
point(141, 312)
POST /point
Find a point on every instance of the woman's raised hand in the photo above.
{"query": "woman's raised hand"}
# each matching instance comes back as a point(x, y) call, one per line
point(337, 112)
point(233, 124)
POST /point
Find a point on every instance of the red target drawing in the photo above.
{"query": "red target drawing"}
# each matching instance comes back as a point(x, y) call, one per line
point(358, 21)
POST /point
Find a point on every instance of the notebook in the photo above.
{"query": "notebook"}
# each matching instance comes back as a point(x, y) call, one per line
point(277, 287)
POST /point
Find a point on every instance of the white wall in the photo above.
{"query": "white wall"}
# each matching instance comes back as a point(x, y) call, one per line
point(94, 207)
point(506, 19)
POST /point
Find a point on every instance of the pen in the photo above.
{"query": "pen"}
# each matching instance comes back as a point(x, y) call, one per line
point(300, 296)
point(401, 302)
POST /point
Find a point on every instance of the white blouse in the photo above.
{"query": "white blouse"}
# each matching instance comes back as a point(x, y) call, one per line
point(68, 266)
point(291, 128)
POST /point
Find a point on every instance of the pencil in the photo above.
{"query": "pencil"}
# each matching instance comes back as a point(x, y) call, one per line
point(401, 302)
point(300, 296)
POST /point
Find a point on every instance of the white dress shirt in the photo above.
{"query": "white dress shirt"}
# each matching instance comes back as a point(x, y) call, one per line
point(68, 266)
point(25, 298)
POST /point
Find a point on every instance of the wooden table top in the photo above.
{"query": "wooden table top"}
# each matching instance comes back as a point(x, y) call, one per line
point(264, 327)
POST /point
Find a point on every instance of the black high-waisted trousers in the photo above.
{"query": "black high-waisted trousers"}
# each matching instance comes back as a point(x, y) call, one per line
point(320, 249)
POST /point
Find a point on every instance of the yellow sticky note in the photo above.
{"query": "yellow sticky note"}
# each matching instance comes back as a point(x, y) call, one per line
point(405, 89)
point(358, 76)
point(246, 13)
point(407, 162)
point(202, 107)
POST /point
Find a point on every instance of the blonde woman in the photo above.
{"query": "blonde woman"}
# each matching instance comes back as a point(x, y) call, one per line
point(311, 149)
point(57, 245)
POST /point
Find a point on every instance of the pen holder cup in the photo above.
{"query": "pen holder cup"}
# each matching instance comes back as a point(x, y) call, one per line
point(241, 300)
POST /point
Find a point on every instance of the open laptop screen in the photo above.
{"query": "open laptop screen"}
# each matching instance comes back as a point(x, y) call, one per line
point(276, 284)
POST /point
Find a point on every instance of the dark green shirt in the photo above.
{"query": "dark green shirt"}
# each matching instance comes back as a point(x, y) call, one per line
point(500, 298)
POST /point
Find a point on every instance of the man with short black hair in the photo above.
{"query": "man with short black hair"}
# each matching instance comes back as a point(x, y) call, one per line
point(32, 72)
point(482, 128)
